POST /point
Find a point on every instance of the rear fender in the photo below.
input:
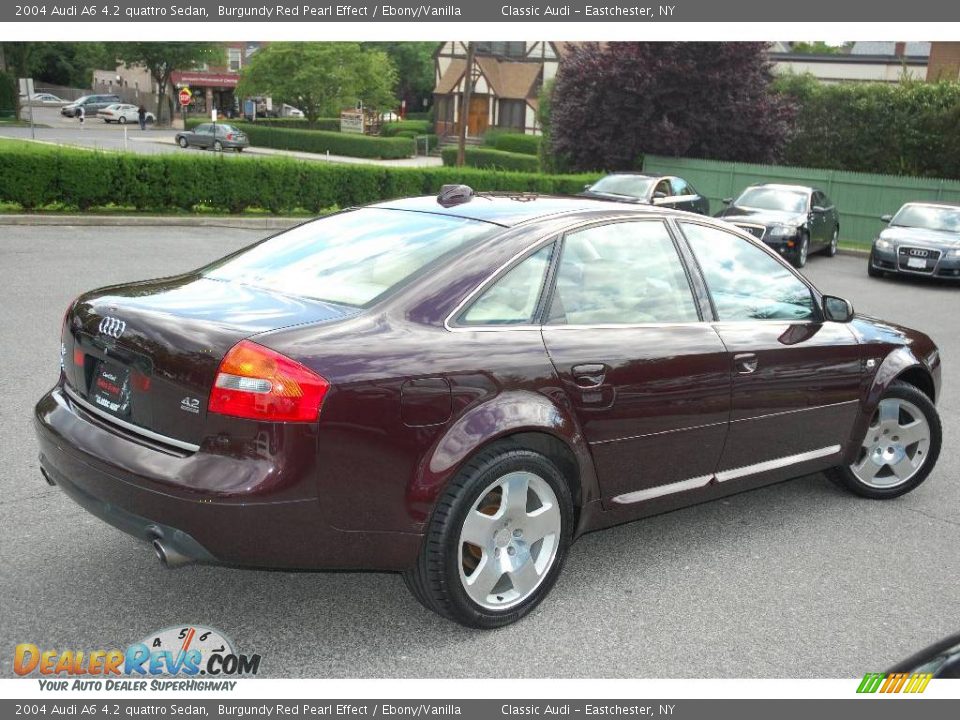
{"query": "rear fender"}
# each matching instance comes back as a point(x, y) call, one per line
point(506, 414)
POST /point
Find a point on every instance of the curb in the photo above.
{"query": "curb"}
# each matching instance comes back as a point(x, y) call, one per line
point(225, 221)
point(853, 252)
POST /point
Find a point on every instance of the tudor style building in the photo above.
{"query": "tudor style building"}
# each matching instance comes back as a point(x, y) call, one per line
point(506, 76)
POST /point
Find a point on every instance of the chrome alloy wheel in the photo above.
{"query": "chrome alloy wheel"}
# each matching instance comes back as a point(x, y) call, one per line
point(804, 249)
point(896, 445)
point(509, 540)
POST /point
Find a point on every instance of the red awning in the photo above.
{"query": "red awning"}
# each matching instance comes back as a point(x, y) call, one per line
point(204, 79)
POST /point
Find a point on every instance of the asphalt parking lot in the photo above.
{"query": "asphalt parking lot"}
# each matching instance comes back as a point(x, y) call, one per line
point(795, 580)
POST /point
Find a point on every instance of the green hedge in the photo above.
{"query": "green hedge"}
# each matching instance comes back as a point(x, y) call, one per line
point(518, 143)
point(482, 157)
point(420, 127)
point(320, 141)
point(8, 95)
point(35, 176)
point(906, 128)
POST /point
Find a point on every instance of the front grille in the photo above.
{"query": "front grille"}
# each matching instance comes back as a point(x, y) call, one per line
point(758, 231)
point(908, 259)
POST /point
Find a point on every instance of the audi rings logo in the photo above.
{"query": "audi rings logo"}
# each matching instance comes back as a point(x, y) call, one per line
point(918, 253)
point(112, 327)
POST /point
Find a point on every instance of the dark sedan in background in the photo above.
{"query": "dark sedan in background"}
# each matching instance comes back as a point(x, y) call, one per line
point(660, 190)
point(457, 388)
point(922, 239)
point(794, 220)
point(214, 136)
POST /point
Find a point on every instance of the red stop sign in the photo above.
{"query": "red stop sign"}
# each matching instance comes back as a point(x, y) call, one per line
point(185, 96)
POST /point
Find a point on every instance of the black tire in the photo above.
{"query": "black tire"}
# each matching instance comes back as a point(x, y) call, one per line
point(846, 478)
point(182, 142)
point(831, 249)
point(871, 270)
point(435, 580)
point(217, 146)
point(799, 258)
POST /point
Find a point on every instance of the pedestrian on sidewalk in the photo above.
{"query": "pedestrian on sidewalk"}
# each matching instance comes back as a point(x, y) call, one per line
point(81, 113)
point(142, 117)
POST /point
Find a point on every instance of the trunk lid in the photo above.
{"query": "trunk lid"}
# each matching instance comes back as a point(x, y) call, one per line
point(147, 353)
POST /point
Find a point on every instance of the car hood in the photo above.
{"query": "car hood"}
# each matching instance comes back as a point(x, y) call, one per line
point(613, 196)
point(874, 331)
point(762, 217)
point(921, 237)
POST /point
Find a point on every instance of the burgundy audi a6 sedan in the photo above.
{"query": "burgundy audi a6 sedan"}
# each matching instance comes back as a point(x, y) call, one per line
point(456, 388)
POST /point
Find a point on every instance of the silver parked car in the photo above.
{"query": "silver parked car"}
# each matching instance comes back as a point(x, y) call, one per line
point(216, 136)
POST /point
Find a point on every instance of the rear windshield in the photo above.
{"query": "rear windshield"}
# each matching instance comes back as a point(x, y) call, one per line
point(929, 217)
point(351, 258)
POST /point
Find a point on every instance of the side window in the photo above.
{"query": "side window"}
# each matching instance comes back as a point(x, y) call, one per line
point(662, 187)
point(680, 187)
point(622, 273)
point(513, 298)
point(202, 129)
point(744, 281)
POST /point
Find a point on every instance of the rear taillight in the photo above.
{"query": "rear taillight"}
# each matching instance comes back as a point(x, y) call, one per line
point(229, 136)
point(257, 383)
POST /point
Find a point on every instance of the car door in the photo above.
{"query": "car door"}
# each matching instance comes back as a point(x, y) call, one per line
point(684, 197)
point(796, 378)
point(648, 380)
point(820, 220)
point(202, 135)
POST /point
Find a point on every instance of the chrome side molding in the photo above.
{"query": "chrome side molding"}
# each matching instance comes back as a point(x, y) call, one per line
point(725, 475)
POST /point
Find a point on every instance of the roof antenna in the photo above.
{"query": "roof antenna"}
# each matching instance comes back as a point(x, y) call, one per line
point(452, 195)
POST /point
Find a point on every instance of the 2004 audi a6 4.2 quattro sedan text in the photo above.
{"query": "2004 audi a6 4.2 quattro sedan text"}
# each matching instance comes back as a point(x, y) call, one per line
point(457, 387)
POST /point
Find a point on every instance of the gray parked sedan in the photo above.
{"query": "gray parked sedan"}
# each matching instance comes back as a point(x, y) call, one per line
point(218, 136)
point(923, 238)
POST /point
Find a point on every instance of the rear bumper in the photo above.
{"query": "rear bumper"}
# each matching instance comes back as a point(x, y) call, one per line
point(92, 465)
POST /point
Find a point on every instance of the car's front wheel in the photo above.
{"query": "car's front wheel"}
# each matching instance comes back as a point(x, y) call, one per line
point(803, 249)
point(900, 448)
point(122, 120)
point(182, 142)
point(497, 539)
point(217, 146)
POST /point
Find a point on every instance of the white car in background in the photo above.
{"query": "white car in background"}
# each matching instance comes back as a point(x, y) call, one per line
point(43, 99)
point(123, 113)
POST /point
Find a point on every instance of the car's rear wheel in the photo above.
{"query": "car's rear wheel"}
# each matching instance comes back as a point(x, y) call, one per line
point(217, 146)
point(182, 142)
point(803, 249)
point(831, 249)
point(900, 448)
point(497, 539)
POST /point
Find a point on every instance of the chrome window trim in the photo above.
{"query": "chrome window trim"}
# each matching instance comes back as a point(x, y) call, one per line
point(724, 475)
point(136, 429)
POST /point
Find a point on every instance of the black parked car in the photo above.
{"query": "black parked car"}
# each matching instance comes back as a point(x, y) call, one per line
point(660, 190)
point(91, 104)
point(794, 220)
point(923, 239)
point(218, 136)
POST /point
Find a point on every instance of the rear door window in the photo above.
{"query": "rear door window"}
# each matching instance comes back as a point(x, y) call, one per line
point(514, 298)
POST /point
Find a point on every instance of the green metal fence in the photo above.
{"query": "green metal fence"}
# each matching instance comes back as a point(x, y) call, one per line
point(861, 198)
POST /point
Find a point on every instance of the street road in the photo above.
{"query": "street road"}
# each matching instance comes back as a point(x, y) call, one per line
point(796, 580)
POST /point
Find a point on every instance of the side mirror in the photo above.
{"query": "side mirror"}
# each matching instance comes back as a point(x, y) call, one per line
point(836, 309)
point(659, 195)
point(886, 218)
point(727, 201)
point(587, 186)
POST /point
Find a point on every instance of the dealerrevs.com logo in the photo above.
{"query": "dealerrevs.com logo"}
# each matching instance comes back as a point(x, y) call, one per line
point(174, 658)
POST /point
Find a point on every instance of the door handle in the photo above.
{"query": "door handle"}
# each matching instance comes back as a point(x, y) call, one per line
point(745, 363)
point(590, 375)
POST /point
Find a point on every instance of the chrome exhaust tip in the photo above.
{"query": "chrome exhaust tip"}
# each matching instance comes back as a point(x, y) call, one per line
point(169, 557)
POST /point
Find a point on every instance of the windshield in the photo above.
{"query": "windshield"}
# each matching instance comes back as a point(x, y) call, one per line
point(636, 186)
point(350, 258)
point(767, 198)
point(928, 217)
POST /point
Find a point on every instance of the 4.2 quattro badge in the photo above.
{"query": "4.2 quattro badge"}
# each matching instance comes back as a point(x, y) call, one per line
point(112, 327)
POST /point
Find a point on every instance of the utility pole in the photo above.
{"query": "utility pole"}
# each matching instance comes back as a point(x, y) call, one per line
point(465, 105)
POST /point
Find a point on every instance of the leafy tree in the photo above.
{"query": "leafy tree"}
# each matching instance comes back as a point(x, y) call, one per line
point(614, 103)
point(162, 59)
point(415, 70)
point(320, 78)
